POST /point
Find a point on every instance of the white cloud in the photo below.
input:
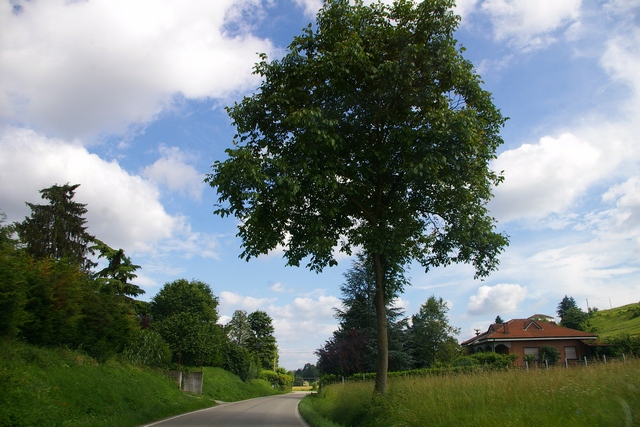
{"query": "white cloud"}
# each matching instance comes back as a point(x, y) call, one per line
point(302, 326)
point(621, 60)
point(230, 302)
point(545, 177)
point(498, 299)
point(625, 218)
point(123, 209)
point(173, 172)
point(279, 287)
point(311, 7)
point(83, 68)
point(465, 8)
point(529, 25)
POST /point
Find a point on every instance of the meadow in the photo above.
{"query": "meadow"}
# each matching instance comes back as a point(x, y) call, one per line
point(597, 395)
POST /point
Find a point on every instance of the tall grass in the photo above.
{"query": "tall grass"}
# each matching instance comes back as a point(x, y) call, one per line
point(597, 395)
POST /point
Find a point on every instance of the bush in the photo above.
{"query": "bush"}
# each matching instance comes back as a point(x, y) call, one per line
point(465, 361)
point(277, 379)
point(550, 354)
point(149, 349)
point(495, 360)
point(242, 362)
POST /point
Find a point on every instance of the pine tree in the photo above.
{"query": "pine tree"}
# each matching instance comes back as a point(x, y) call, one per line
point(57, 230)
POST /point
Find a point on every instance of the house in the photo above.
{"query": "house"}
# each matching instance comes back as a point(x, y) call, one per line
point(525, 337)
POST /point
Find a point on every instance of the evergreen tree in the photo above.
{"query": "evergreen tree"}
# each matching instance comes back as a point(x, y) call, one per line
point(352, 348)
point(431, 332)
point(566, 304)
point(57, 230)
point(116, 277)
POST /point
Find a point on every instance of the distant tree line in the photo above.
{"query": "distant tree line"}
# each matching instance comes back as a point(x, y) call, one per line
point(426, 339)
point(61, 286)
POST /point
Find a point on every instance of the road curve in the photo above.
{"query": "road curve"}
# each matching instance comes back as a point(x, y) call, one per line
point(275, 411)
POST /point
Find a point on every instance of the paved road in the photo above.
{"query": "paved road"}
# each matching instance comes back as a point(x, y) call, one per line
point(275, 411)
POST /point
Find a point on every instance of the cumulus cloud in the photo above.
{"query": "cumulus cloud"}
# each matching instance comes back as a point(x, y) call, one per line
point(300, 326)
point(546, 177)
point(306, 317)
point(530, 25)
point(174, 172)
point(625, 218)
point(84, 68)
point(124, 210)
point(553, 174)
point(230, 302)
point(502, 298)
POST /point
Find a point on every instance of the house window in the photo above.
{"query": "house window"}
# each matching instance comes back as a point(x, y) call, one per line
point(531, 351)
point(570, 353)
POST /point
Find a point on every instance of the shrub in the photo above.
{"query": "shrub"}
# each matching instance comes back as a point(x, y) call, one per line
point(465, 361)
point(149, 349)
point(550, 354)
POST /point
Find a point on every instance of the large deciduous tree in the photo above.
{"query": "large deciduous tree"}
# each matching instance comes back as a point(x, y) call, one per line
point(372, 131)
point(262, 342)
point(185, 315)
point(238, 329)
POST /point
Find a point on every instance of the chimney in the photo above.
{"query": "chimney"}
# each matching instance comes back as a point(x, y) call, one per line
point(506, 327)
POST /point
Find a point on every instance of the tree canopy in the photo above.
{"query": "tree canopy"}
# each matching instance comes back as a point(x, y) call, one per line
point(185, 315)
point(373, 132)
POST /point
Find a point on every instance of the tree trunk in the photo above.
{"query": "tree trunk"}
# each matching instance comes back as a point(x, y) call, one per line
point(382, 363)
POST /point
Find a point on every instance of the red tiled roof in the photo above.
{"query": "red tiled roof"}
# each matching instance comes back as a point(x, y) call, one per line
point(527, 329)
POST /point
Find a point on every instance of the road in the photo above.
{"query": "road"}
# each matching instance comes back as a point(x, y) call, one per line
point(276, 411)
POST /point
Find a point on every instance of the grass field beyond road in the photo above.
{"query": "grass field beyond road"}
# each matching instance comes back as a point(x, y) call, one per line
point(597, 395)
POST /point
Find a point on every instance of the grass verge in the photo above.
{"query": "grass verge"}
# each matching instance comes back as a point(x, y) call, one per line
point(598, 395)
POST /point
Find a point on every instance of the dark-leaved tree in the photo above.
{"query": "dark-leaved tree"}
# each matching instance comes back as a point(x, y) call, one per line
point(372, 131)
point(356, 331)
point(57, 230)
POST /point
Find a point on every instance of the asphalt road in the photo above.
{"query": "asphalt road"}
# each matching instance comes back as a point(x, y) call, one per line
point(275, 411)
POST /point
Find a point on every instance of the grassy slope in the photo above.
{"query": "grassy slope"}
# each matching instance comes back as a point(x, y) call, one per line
point(617, 321)
point(57, 387)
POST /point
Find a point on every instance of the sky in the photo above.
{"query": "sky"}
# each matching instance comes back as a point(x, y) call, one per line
point(127, 97)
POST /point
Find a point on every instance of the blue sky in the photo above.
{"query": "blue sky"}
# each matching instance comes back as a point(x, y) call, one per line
point(127, 99)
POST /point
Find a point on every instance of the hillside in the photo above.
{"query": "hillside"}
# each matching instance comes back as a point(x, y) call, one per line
point(617, 321)
point(59, 387)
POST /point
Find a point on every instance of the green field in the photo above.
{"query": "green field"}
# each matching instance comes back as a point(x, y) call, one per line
point(598, 395)
point(58, 387)
point(617, 321)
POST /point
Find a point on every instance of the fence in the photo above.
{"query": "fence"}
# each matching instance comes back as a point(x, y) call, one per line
point(584, 362)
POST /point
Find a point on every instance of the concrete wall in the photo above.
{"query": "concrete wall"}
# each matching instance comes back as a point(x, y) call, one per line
point(187, 381)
